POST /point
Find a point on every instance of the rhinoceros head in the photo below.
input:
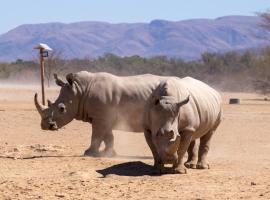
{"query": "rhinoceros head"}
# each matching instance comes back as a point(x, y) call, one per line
point(163, 114)
point(63, 110)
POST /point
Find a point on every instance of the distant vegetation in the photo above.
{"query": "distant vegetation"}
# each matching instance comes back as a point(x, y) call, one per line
point(232, 71)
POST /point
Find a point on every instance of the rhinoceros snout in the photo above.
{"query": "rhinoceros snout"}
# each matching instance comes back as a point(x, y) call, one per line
point(52, 126)
point(49, 126)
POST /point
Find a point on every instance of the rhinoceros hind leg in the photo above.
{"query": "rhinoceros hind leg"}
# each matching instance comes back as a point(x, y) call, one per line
point(109, 143)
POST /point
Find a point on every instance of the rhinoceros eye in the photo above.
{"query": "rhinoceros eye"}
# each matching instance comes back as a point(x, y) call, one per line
point(156, 101)
point(62, 107)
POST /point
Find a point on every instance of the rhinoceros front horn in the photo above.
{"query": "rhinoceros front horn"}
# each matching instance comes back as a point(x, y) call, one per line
point(40, 108)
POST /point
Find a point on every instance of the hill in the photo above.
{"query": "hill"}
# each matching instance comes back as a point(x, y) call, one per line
point(181, 39)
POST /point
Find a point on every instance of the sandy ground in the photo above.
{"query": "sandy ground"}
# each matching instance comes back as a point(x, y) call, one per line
point(36, 164)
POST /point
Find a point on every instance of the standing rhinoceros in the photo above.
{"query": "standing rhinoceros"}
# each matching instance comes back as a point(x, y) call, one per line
point(106, 101)
point(177, 113)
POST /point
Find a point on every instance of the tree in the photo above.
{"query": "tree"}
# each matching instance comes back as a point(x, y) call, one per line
point(212, 62)
point(52, 65)
point(265, 19)
point(263, 86)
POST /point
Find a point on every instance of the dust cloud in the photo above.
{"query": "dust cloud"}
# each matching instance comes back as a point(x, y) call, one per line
point(11, 91)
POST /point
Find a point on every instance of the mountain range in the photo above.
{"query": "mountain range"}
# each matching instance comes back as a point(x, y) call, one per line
point(186, 39)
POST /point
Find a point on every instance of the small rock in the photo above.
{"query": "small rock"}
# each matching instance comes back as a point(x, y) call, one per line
point(60, 195)
point(72, 173)
point(70, 188)
point(253, 183)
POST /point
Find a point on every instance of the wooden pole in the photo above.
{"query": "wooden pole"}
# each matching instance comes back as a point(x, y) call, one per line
point(42, 75)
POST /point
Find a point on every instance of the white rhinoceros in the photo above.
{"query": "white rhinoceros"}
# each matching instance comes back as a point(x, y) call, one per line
point(106, 101)
point(177, 113)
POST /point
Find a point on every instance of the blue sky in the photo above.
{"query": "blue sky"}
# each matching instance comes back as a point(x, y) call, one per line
point(17, 12)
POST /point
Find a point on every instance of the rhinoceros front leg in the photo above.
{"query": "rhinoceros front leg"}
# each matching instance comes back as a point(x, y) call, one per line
point(96, 140)
point(203, 150)
point(178, 166)
point(192, 155)
point(148, 138)
point(101, 131)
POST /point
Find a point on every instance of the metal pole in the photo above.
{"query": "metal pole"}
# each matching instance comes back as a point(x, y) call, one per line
point(42, 75)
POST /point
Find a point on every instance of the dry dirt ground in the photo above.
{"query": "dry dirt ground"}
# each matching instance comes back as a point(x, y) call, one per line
point(36, 164)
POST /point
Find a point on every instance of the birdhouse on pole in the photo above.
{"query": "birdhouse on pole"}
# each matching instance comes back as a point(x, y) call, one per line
point(43, 53)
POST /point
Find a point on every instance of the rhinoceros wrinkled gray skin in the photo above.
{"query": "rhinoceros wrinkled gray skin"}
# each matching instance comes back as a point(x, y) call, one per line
point(106, 101)
point(178, 112)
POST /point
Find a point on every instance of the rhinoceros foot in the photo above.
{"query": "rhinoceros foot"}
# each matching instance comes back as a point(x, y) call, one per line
point(201, 165)
point(191, 165)
point(91, 153)
point(179, 170)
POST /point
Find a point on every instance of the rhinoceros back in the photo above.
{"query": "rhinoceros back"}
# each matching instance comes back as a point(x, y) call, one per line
point(120, 100)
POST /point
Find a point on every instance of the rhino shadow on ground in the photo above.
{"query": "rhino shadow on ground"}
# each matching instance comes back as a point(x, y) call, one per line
point(135, 168)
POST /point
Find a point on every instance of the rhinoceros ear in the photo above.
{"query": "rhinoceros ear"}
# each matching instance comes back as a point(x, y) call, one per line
point(70, 78)
point(58, 81)
point(181, 103)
